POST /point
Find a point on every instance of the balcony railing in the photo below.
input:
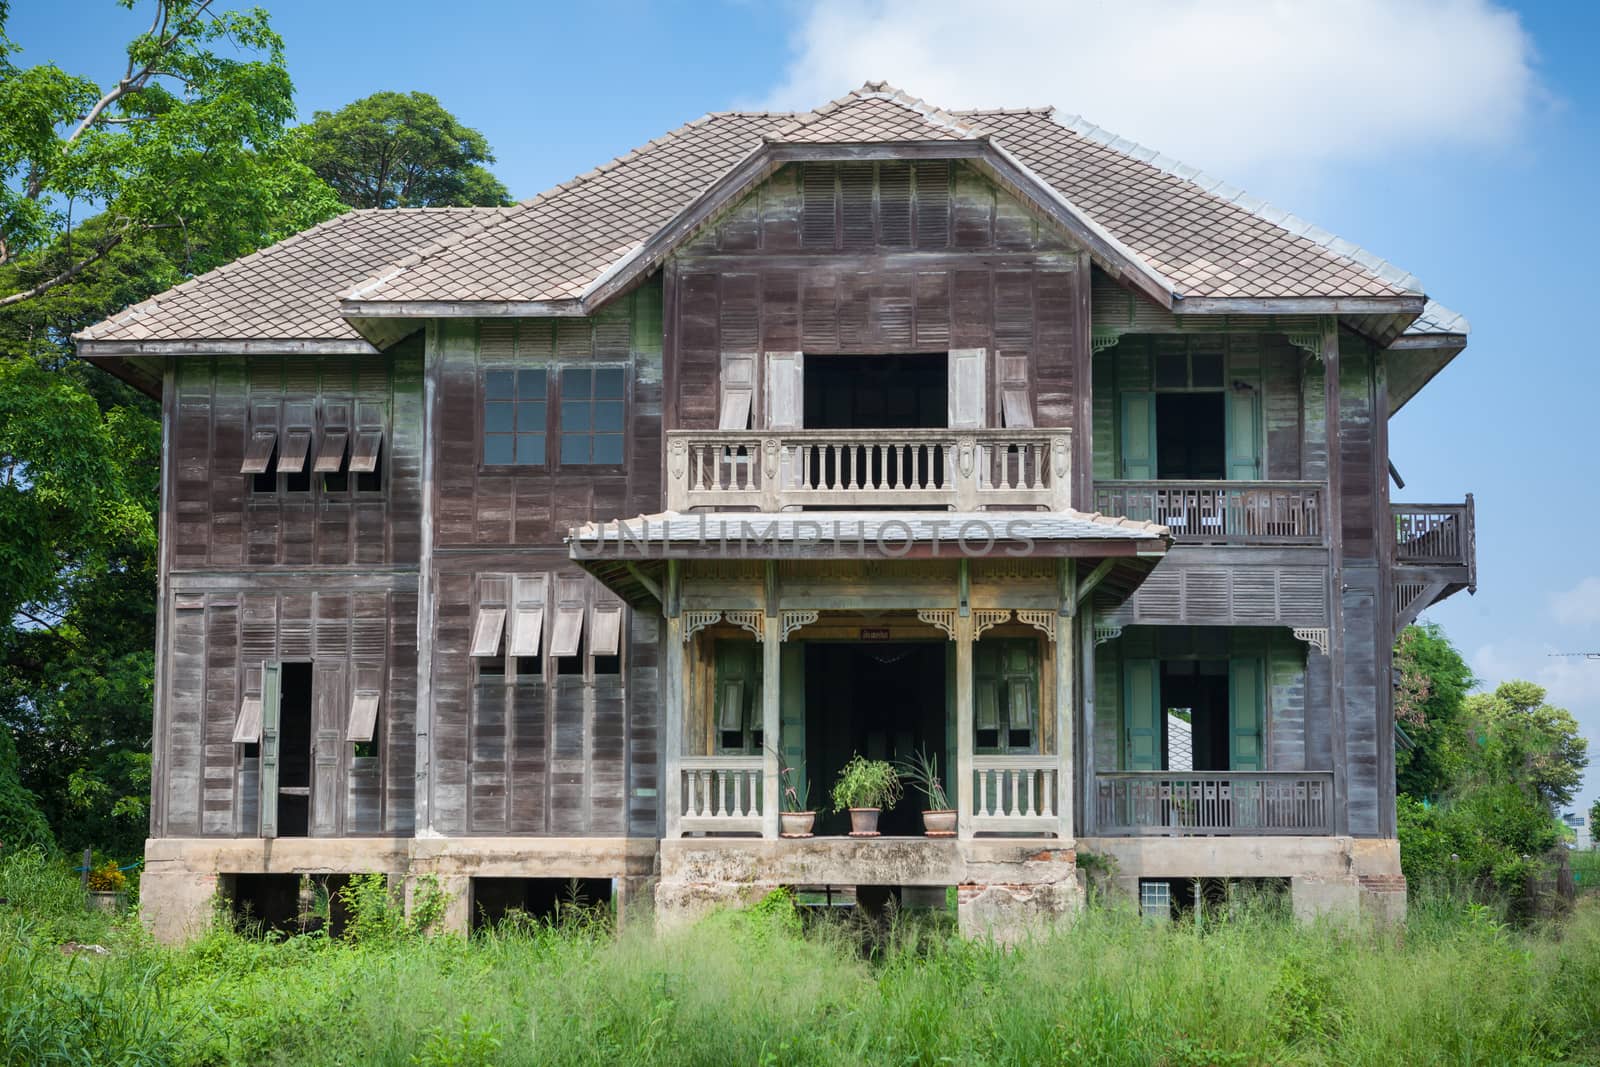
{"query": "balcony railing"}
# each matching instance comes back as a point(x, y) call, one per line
point(1178, 803)
point(1435, 535)
point(1221, 512)
point(957, 470)
point(721, 794)
point(1016, 794)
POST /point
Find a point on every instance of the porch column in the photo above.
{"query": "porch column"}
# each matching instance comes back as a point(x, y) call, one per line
point(771, 706)
point(672, 712)
point(1065, 785)
point(964, 723)
point(1088, 764)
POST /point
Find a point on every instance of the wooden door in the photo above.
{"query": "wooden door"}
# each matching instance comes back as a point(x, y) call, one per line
point(1138, 436)
point(1141, 715)
point(271, 716)
point(1242, 430)
point(1244, 714)
point(330, 701)
point(785, 393)
point(967, 398)
point(792, 704)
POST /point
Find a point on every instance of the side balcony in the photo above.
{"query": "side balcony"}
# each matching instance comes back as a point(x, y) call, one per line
point(1435, 555)
point(934, 470)
point(1222, 512)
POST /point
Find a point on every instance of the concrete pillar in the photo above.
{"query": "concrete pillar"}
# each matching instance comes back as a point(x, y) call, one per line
point(457, 918)
point(634, 900)
point(176, 905)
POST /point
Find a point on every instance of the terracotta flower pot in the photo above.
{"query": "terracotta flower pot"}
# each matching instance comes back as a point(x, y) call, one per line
point(941, 823)
point(796, 823)
point(864, 822)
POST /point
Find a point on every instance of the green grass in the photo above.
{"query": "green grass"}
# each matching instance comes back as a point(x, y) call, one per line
point(1586, 870)
point(1453, 987)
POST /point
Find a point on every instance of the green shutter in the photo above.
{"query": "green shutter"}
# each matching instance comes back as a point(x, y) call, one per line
point(792, 705)
point(1244, 714)
point(1141, 715)
point(1243, 432)
point(1139, 436)
point(271, 715)
point(738, 690)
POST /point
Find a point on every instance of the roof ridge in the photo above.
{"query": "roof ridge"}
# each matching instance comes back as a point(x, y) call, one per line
point(880, 90)
point(1227, 192)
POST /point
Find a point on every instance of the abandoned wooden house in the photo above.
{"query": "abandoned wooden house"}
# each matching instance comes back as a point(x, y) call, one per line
point(518, 545)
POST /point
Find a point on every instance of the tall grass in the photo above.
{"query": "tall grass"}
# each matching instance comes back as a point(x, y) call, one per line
point(1454, 986)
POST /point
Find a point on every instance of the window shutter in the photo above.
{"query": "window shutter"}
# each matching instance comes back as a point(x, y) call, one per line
point(1141, 715)
point(270, 717)
point(1016, 406)
point(365, 458)
point(967, 396)
point(247, 728)
point(986, 715)
point(605, 623)
point(570, 609)
point(330, 451)
point(785, 390)
point(1244, 714)
point(730, 712)
point(296, 444)
point(363, 715)
point(1243, 433)
point(738, 390)
point(1139, 436)
point(527, 618)
point(258, 452)
point(486, 634)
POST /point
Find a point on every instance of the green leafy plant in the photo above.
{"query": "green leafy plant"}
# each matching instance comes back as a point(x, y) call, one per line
point(922, 771)
point(106, 878)
point(865, 783)
point(794, 798)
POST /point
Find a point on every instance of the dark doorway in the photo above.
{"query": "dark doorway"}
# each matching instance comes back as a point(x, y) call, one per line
point(884, 701)
point(294, 750)
point(542, 899)
point(876, 392)
point(1190, 437)
point(1197, 690)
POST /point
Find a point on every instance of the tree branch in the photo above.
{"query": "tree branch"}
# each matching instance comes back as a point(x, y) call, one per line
point(66, 275)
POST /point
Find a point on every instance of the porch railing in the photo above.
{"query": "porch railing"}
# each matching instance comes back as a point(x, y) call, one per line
point(1016, 794)
point(1213, 802)
point(1435, 535)
point(721, 794)
point(1225, 512)
point(960, 470)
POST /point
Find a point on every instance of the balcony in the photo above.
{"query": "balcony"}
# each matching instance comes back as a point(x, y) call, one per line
point(948, 470)
point(1222, 512)
point(1436, 535)
point(1218, 803)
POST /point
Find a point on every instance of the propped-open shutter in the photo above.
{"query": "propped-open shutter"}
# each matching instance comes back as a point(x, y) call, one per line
point(738, 671)
point(730, 707)
point(738, 390)
point(1141, 715)
point(364, 460)
point(364, 705)
point(292, 454)
point(247, 728)
point(605, 623)
point(1244, 714)
point(1139, 436)
point(486, 633)
point(271, 692)
point(986, 695)
point(967, 397)
point(258, 452)
point(529, 596)
point(1243, 430)
point(330, 451)
point(785, 390)
point(1016, 406)
point(571, 604)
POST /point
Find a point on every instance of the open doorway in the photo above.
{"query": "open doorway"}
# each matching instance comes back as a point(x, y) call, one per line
point(1195, 694)
point(294, 750)
point(884, 701)
point(876, 392)
point(1190, 436)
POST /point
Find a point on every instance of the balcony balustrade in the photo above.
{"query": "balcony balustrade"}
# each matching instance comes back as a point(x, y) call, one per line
point(1179, 803)
point(1436, 535)
point(1221, 512)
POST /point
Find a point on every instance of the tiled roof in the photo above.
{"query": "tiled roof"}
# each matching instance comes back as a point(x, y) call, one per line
point(1206, 239)
point(290, 290)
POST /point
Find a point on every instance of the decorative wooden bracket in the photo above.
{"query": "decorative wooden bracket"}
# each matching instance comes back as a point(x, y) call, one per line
point(1042, 620)
point(747, 620)
point(1311, 342)
point(1102, 338)
point(793, 620)
point(694, 621)
point(1104, 632)
point(985, 618)
point(943, 618)
point(1316, 637)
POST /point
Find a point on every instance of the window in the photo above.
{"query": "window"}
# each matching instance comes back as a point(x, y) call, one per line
point(515, 417)
point(1006, 692)
point(591, 415)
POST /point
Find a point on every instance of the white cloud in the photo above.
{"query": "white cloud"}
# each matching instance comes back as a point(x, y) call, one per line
point(1219, 83)
point(1578, 606)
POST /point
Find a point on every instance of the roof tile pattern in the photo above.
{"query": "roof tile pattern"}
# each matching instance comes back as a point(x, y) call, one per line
point(290, 290)
point(874, 114)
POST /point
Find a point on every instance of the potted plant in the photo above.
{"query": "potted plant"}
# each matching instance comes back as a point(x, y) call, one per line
point(106, 886)
point(865, 787)
point(922, 771)
point(794, 815)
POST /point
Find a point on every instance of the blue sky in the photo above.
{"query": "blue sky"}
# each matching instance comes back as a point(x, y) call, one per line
point(1453, 137)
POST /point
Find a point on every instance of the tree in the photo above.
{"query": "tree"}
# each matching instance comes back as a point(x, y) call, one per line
point(190, 142)
point(1594, 820)
point(401, 150)
point(1434, 681)
point(1530, 743)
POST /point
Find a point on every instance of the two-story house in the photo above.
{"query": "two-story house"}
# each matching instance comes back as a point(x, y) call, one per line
point(512, 546)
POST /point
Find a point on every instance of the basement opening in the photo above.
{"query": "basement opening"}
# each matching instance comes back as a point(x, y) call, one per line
point(547, 900)
point(287, 903)
point(1200, 899)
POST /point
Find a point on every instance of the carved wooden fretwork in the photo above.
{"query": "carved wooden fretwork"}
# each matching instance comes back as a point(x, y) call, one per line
point(1040, 619)
point(943, 618)
point(746, 620)
point(694, 621)
point(1316, 637)
point(1311, 341)
point(1106, 632)
point(1103, 337)
point(793, 620)
point(984, 618)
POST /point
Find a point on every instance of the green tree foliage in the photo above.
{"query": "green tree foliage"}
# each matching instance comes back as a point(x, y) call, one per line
point(401, 150)
point(1434, 681)
point(189, 158)
point(1594, 818)
point(21, 822)
point(1529, 743)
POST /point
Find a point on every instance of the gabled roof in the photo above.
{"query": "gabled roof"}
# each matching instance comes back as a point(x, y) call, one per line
point(1195, 244)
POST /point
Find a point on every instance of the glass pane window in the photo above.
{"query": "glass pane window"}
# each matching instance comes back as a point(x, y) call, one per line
point(514, 417)
point(592, 415)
